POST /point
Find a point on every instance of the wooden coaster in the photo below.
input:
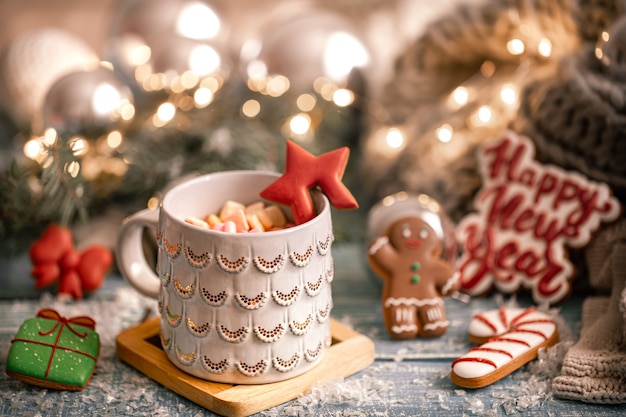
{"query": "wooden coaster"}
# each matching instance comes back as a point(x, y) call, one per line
point(140, 347)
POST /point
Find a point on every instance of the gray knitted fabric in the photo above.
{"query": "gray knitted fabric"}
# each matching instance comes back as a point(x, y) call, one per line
point(577, 119)
point(594, 369)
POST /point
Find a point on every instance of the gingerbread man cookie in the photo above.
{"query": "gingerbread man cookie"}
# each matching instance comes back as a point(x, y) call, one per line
point(415, 278)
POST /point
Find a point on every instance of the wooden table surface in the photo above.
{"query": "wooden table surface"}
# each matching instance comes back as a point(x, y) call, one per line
point(408, 378)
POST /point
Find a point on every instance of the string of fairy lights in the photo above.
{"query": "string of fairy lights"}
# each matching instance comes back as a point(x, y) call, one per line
point(485, 111)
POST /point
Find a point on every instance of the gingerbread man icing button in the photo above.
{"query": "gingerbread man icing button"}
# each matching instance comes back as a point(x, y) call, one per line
point(413, 253)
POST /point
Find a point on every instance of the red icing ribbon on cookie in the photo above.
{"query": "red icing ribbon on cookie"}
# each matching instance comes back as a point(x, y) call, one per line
point(55, 259)
point(64, 323)
point(84, 321)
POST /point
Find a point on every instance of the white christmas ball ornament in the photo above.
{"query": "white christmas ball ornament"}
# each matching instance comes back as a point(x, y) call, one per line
point(88, 103)
point(192, 19)
point(35, 60)
point(152, 42)
point(305, 45)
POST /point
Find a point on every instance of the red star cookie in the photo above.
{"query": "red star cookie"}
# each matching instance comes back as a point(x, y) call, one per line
point(304, 171)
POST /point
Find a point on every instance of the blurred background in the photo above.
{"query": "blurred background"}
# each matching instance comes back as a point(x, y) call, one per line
point(104, 104)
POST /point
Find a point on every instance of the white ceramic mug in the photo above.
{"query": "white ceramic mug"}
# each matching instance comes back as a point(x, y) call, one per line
point(239, 308)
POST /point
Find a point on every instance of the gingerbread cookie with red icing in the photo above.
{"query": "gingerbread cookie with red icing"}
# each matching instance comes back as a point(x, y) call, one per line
point(509, 338)
point(528, 215)
point(415, 278)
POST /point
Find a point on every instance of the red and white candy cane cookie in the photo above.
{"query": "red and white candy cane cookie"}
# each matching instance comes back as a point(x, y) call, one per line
point(510, 337)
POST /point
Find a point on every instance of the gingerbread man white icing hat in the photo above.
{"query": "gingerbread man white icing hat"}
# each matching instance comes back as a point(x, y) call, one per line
point(403, 204)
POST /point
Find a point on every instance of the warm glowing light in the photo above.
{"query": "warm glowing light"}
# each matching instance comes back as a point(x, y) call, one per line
point(487, 69)
point(143, 73)
point(189, 80)
point(444, 133)
point(343, 52)
point(605, 36)
point(256, 69)
point(50, 136)
point(79, 146)
point(544, 47)
point(306, 102)
point(300, 124)
point(33, 148)
point(197, 21)
point(508, 94)
point(72, 168)
point(277, 86)
point(106, 99)
point(204, 60)
point(599, 53)
point(203, 97)
point(186, 103)
point(460, 95)
point(515, 47)
point(484, 114)
point(114, 139)
point(343, 97)
point(251, 108)
point(166, 112)
point(153, 203)
point(212, 83)
point(140, 55)
point(394, 138)
point(127, 110)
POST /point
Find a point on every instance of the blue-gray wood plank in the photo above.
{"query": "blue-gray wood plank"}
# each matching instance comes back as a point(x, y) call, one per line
point(408, 378)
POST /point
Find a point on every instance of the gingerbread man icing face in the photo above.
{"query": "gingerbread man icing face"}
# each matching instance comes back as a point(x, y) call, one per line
point(407, 258)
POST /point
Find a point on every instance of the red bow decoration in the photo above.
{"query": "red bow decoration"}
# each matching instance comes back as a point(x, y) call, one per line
point(55, 259)
point(84, 321)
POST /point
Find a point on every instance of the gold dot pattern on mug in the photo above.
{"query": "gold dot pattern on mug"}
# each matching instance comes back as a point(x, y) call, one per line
point(165, 279)
point(286, 299)
point(198, 330)
point(185, 358)
point(269, 336)
point(214, 300)
point(172, 249)
point(233, 336)
point(215, 367)
point(173, 319)
point(166, 342)
point(324, 245)
point(251, 303)
point(184, 291)
point(228, 265)
point(324, 313)
point(267, 266)
point(282, 365)
point(314, 288)
point(312, 354)
point(330, 273)
point(300, 328)
point(252, 370)
point(198, 261)
point(301, 259)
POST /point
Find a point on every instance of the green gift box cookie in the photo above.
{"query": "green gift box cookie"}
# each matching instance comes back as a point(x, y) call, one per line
point(54, 352)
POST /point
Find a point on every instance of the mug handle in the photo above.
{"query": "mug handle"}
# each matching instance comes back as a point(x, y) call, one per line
point(131, 259)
